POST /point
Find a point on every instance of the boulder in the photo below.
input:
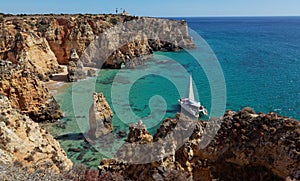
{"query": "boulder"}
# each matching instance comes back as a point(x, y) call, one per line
point(138, 133)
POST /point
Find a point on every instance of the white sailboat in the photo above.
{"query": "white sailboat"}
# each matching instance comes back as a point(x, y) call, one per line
point(190, 105)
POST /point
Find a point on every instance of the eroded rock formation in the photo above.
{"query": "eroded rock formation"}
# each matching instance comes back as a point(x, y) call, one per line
point(21, 84)
point(23, 141)
point(100, 117)
point(75, 67)
point(247, 146)
point(112, 40)
point(132, 42)
point(39, 43)
point(138, 133)
point(255, 143)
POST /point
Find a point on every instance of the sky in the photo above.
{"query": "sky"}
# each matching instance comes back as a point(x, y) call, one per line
point(157, 8)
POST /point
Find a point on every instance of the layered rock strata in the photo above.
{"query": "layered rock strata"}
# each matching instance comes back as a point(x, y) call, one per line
point(23, 141)
point(249, 145)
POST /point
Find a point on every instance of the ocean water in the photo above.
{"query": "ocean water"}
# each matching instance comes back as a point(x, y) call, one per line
point(259, 58)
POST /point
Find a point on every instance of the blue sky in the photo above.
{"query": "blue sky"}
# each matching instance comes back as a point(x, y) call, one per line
point(158, 7)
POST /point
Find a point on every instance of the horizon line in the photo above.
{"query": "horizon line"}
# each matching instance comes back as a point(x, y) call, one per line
point(172, 16)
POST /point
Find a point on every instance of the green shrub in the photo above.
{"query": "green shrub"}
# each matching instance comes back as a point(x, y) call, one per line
point(41, 27)
point(113, 21)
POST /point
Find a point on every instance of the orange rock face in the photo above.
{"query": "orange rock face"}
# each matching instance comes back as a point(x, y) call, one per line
point(23, 141)
point(246, 146)
point(27, 93)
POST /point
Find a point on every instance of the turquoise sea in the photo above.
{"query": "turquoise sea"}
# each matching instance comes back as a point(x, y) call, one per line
point(259, 57)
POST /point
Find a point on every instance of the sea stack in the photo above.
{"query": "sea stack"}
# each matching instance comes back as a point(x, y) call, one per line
point(100, 117)
point(75, 67)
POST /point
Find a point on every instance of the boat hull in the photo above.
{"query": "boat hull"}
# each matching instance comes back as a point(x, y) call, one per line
point(188, 109)
point(193, 110)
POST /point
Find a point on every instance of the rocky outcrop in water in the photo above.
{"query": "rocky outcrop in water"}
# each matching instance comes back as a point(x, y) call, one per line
point(39, 43)
point(91, 73)
point(21, 84)
point(23, 141)
point(100, 117)
point(247, 146)
point(75, 67)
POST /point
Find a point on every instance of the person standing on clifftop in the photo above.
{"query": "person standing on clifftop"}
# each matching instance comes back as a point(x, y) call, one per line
point(116, 10)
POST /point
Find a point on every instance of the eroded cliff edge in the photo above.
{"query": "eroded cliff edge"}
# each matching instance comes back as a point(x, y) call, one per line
point(121, 38)
point(32, 48)
point(23, 141)
point(247, 146)
point(36, 45)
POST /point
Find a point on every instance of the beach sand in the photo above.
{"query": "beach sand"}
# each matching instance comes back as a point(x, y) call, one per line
point(60, 81)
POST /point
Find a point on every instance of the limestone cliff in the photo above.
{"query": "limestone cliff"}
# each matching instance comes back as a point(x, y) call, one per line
point(37, 44)
point(131, 43)
point(247, 146)
point(117, 39)
point(21, 84)
point(23, 141)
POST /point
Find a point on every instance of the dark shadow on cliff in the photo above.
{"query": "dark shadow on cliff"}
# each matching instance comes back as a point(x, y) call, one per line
point(61, 78)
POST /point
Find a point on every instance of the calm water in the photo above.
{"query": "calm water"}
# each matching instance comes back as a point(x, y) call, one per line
point(260, 59)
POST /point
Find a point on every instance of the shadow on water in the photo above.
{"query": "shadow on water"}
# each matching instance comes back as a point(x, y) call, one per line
point(71, 136)
point(175, 108)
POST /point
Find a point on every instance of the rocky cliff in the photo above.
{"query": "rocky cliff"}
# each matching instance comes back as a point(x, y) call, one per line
point(37, 44)
point(22, 85)
point(47, 39)
point(247, 146)
point(130, 43)
point(23, 141)
point(254, 144)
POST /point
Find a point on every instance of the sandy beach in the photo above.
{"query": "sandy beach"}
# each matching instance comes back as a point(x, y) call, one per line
point(60, 81)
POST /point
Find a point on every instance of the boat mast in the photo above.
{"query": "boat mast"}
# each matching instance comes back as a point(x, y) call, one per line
point(191, 91)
